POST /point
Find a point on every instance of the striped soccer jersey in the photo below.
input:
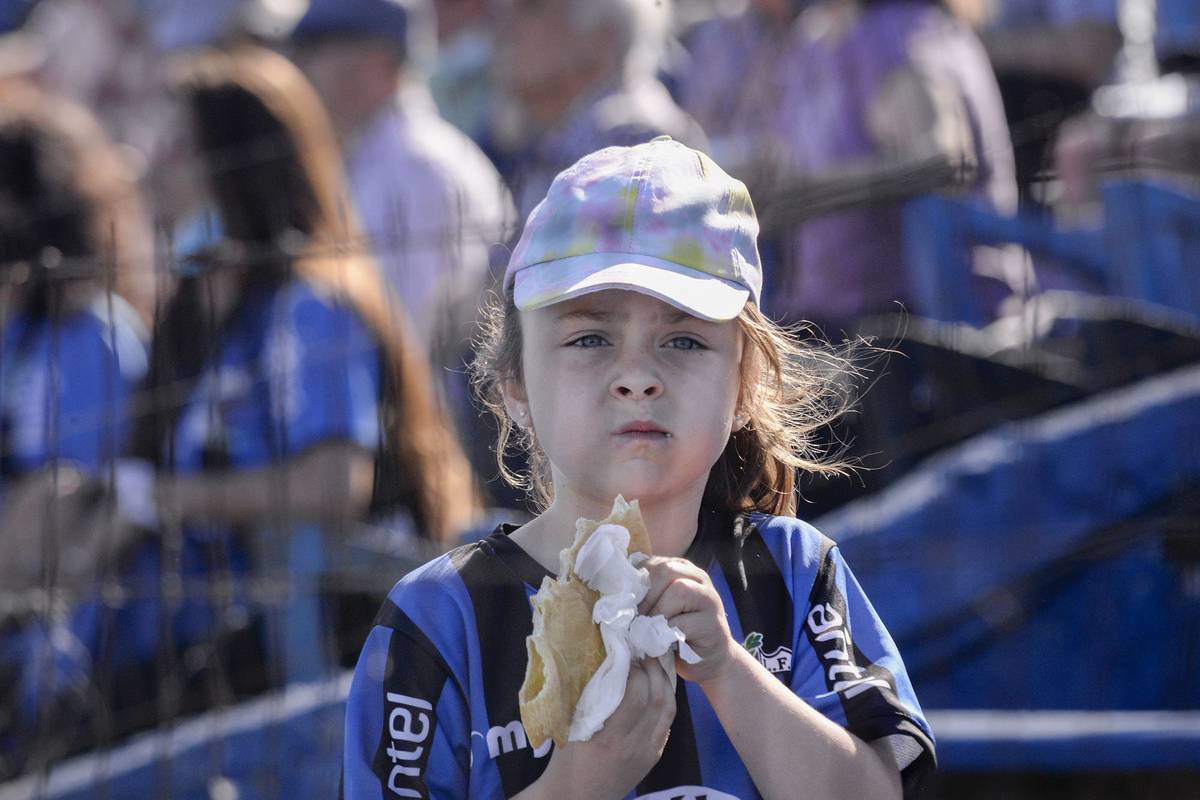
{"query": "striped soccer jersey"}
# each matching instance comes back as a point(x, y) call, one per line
point(433, 709)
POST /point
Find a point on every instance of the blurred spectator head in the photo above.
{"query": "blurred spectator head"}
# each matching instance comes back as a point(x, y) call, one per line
point(355, 52)
point(265, 145)
point(552, 52)
point(462, 78)
point(70, 213)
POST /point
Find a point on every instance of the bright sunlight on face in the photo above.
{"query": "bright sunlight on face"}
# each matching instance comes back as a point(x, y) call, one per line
point(629, 395)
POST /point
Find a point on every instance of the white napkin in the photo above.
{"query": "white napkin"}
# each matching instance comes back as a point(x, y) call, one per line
point(603, 565)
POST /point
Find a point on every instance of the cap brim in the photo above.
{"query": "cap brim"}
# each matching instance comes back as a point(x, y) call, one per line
point(700, 294)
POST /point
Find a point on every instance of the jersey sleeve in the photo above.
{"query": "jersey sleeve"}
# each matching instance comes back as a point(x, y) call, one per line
point(407, 728)
point(67, 395)
point(849, 669)
point(323, 374)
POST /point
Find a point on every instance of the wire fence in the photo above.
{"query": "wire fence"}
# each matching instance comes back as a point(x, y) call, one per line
point(148, 652)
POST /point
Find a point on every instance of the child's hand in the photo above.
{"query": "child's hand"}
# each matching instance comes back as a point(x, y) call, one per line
point(685, 595)
point(621, 753)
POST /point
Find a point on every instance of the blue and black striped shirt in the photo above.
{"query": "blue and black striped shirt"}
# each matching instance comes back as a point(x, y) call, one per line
point(433, 710)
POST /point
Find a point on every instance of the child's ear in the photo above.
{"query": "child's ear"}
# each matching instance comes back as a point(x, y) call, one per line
point(516, 401)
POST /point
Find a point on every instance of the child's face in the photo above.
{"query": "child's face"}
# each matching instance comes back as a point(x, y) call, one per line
point(628, 395)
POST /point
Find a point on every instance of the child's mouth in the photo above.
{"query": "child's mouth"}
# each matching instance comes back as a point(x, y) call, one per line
point(643, 431)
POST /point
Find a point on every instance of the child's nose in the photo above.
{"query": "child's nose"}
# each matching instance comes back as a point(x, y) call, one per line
point(636, 386)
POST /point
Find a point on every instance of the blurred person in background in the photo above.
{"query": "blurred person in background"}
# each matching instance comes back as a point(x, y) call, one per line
point(1173, 143)
point(880, 100)
point(733, 83)
point(174, 27)
point(102, 55)
point(287, 399)
point(1150, 123)
point(76, 286)
point(431, 203)
point(75, 261)
point(1049, 56)
point(433, 206)
point(462, 81)
point(576, 76)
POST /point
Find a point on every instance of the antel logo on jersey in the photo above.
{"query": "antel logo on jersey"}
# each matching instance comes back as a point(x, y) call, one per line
point(777, 660)
point(503, 739)
point(831, 640)
point(687, 793)
point(409, 727)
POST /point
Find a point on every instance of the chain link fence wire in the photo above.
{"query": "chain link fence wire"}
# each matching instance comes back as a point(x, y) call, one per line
point(198, 659)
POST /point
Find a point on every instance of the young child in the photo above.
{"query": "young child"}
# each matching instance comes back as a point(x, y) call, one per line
point(630, 358)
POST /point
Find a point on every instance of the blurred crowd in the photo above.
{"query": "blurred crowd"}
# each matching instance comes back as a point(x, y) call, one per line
point(244, 244)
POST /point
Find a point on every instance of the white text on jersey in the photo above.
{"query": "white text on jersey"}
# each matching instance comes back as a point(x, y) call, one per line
point(409, 727)
point(845, 676)
point(503, 739)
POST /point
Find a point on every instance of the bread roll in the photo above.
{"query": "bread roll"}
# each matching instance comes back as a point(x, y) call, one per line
point(565, 648)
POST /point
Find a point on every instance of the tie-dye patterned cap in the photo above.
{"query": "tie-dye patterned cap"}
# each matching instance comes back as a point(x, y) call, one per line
point(659, 218)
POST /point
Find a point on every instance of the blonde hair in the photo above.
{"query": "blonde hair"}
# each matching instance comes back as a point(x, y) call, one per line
point(792, 388)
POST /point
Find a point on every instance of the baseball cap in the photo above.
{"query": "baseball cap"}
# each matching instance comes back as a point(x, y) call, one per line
point(658, 218)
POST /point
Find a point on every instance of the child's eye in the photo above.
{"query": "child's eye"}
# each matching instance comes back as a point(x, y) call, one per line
point(685, 343)
point(587, 340)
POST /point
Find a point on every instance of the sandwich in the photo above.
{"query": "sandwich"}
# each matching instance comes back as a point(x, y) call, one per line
point(566, 647)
